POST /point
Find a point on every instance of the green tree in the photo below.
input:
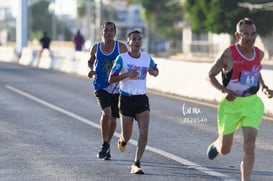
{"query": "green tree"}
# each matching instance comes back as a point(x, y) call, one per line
point(82, 6)
point(41, 20)
point(220, 16)
point(89, 8)
point(162, 17)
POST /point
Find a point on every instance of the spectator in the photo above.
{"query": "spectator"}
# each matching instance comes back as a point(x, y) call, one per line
point(78, 41)
point(45, 43)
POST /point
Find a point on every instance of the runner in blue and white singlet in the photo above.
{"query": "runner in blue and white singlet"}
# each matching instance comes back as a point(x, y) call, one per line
point(102, 56)
point(102, 67)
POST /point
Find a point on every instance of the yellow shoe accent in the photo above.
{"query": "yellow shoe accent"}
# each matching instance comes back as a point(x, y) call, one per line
point(136, 170)
point(122, 146)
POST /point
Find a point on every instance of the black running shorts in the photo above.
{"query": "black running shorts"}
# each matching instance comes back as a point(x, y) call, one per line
point(106, 99)
point(132, 105)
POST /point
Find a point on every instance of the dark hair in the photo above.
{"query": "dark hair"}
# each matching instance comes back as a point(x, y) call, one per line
point(133, 32)
point(246, 21)
point(109, 23)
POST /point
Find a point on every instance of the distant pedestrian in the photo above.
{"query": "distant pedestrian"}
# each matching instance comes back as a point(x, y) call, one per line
point(45, 43)
point(78, 41)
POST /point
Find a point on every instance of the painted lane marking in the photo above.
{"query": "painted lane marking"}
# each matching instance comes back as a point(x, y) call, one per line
point(196, 101)
point(168, 155)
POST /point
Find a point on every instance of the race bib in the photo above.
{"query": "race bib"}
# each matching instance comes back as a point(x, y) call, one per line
point(249, 78)
point(142, 72)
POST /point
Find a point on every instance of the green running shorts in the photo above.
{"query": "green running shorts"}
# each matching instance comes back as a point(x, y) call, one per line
point(243, 111)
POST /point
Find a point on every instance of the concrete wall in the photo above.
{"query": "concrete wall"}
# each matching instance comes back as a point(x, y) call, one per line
point(190, 79)
point(176, 77)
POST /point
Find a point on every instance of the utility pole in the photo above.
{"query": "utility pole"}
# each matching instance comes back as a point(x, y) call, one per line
point(98, 17)
point(21, 27)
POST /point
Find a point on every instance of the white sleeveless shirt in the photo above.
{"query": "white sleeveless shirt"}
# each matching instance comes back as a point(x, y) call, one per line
point(125, 63)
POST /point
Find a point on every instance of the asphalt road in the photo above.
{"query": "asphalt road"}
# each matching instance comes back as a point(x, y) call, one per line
point(49, 130)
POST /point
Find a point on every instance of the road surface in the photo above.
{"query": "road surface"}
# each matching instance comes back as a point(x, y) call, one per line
point(49, 130)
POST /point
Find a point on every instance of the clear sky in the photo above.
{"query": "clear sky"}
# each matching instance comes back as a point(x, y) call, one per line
point(62, 6)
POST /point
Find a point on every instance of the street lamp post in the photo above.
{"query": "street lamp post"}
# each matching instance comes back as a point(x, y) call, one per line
point(51, 9)
point(98, 17)
point(21, 27)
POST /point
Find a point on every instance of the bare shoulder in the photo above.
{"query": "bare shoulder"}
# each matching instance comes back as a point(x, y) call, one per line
point(92, 52)
point(93, 49)
point(224, 60)
point(122, 47)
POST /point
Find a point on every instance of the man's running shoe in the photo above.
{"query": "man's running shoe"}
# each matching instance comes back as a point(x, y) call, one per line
point(136, 169)
point(104, 153)
point(122, 145)
point(107, 155)
point(212, 151)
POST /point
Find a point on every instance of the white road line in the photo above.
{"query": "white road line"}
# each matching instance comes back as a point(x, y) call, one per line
point(171, 156)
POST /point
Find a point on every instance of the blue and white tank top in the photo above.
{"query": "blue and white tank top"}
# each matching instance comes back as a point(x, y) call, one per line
point(102, 66)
